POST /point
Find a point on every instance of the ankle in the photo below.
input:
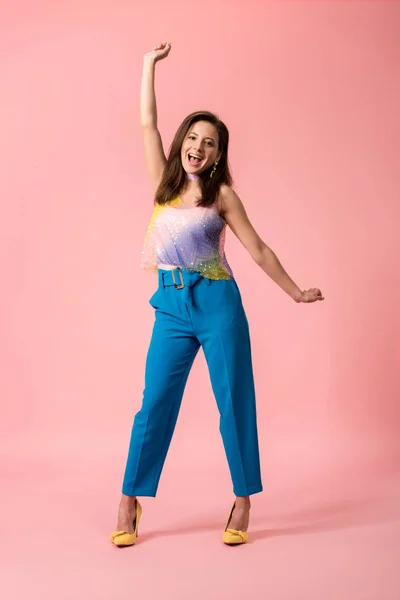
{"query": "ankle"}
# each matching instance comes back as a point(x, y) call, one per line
point(128, 501)
point(242, 503)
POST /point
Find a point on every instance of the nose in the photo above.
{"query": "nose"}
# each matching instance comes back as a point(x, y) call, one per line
point(197, 147)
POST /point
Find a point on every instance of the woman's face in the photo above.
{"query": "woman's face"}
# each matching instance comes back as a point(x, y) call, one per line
point(200, 148)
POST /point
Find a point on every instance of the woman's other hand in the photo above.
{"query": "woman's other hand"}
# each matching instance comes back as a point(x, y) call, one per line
point(311, 295)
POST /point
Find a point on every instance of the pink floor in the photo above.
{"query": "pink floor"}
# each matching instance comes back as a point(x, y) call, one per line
point(305, 544)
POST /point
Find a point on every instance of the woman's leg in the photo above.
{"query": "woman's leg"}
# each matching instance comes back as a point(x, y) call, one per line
point(170, 357)
point(172, 351)
point(226, 344)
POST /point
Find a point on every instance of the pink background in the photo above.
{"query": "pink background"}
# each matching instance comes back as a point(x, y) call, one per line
point(310, 92)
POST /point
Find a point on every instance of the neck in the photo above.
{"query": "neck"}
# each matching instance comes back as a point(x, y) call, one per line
point(192, 176)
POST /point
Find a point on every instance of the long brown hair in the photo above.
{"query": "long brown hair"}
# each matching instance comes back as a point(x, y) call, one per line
point(174, 175)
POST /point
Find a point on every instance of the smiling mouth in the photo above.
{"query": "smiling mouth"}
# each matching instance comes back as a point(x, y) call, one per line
point(194, 160)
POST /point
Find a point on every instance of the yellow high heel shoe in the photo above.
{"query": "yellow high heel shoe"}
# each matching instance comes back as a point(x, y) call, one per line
point(232, 537)
point(122, 538)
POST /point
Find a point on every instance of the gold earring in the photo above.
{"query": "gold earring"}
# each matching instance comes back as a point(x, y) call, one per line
point(214, 169)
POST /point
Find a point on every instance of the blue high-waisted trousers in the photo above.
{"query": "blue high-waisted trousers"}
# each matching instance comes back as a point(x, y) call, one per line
point(207, 313)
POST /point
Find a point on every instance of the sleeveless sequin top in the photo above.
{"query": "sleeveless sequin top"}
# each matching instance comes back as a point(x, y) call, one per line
point(191, 237)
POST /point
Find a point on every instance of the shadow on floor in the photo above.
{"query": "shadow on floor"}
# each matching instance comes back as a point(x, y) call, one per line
point(329, 517)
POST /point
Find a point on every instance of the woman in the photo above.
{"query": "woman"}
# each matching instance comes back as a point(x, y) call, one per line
point(197, 303)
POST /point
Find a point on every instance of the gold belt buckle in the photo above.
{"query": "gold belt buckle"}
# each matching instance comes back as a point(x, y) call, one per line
point(182, 284)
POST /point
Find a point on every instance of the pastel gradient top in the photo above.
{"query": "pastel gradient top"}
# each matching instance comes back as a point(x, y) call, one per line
point(187, 236)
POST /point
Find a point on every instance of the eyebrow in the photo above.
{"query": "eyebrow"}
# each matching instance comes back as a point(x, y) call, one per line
point(207, 138)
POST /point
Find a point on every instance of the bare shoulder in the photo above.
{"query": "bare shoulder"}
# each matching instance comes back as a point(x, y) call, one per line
point(228, 199)
point(227, 193)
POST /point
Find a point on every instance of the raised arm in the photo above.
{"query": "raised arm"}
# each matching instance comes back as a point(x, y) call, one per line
point(153, 148)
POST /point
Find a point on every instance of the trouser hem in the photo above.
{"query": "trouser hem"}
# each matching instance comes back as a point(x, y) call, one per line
point(138, 492)
point(249, 491)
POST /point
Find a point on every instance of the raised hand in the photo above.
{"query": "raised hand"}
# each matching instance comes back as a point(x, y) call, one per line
point(311, 295)
point(159, 52)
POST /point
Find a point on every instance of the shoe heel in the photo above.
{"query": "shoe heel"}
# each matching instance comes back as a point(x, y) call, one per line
point(128, 539)
point(232, 537)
